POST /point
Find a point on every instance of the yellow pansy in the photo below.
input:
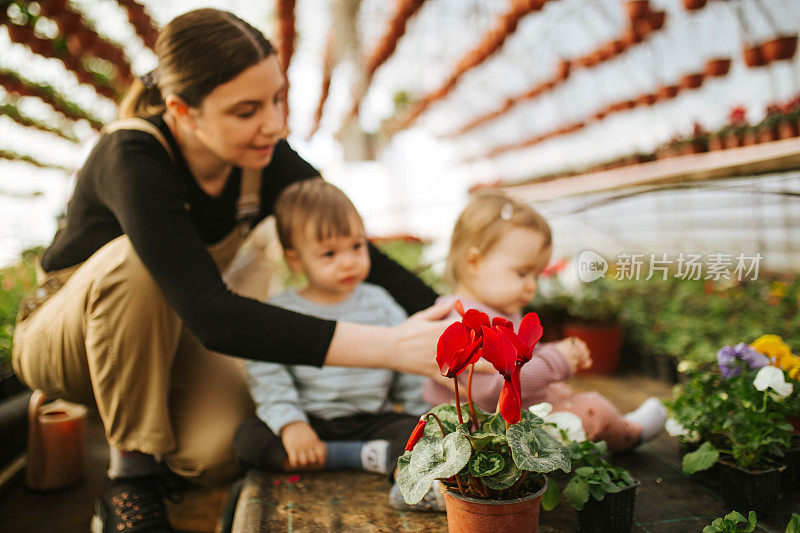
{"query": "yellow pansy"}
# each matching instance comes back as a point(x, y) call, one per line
point(773, 347)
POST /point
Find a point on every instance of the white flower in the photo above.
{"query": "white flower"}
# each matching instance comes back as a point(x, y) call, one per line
point(569, 423)
point(541, 409)
point(676, 429)
point(770, 377)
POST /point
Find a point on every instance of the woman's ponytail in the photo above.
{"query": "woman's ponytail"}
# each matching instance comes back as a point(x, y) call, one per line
point(141, 101)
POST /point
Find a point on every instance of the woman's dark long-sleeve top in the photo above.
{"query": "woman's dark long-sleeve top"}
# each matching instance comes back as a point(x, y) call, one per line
point(129, 185)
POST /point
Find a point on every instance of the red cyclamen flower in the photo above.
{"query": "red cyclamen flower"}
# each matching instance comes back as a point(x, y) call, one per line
point(510, 402)
point(525, 340)
point(499, 350)
point(456, 350)
point(472, 318)
point(419, 430)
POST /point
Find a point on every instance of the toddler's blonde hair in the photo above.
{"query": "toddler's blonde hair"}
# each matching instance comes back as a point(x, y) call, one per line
point(314, 204)
point(485, 220)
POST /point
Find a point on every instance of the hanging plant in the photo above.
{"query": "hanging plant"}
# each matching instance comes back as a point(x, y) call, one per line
point(779, 48)
point(692, 81)
point(637, 9)
point(692, 5)
point(717, 67)
point(753, 56)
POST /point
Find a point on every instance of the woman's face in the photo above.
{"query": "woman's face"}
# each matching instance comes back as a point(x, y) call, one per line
point(242, 120)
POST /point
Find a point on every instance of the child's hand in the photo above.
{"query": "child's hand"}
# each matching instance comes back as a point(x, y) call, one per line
point(576, 352)
point(304, 448)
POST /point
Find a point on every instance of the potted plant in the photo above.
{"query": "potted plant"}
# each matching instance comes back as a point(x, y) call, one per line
point(779, 48)
point(753, 55)
point(718, 66)
point(491, 465)
point(748, 434)
point(692, 80)
point(734, 522)
point(594, 314)
point(603, 495)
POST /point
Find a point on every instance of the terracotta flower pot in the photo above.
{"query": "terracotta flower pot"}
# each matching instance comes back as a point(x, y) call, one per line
point(717, 67)
point(732, 140)
point(604, 342)
point(657, 19)
point(766, 135)
point(716, 143)
point(691, 5)
point(646, 99)
point(692, 81)
point(787, 130)
point(470, 515)
point(750, 138)
point(562, 69)
point(780, 48)
point(637, 9)
point(668, 91)
point(753, 56)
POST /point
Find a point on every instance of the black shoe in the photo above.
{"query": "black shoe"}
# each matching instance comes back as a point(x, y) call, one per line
point(130, 505)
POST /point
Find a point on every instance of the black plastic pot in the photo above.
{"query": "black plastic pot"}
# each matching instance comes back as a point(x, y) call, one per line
point(612, 513)
point(791, 476)
point(744, 491)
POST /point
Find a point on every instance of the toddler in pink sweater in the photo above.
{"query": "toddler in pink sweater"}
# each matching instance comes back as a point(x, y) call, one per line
point(498, 248)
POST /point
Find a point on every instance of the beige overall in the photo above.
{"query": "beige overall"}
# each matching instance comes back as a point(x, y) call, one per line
point(102, 333)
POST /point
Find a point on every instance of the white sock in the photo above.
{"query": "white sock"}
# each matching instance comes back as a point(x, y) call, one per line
point(374, 455)
point(124, 464)
point(651, 415)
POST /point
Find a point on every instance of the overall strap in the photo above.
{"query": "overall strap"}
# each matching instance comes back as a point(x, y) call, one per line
point(140, 124)
point(249, 203)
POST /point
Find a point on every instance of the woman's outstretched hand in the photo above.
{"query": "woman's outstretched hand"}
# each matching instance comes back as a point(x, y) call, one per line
point(415, 341)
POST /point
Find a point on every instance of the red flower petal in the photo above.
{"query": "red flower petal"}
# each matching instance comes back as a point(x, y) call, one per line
point(498, 350)
point(475, 320)
point(454, 339)
point(459, 307)
point(509, 403)
point(500, 321)
point(530, 330)
point(419, 430)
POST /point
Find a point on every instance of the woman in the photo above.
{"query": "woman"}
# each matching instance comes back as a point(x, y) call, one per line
point(133, 306)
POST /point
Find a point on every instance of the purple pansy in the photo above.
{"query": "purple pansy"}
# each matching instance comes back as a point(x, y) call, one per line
point(731, 359)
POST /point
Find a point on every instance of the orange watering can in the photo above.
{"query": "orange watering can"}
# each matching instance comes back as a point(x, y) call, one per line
point(56, 437)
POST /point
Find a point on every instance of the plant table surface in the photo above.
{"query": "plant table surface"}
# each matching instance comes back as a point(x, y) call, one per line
point(667, 501)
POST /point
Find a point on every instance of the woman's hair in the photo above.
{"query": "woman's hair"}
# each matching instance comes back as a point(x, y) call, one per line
point(197, 52)
point(314, 204)
point(485, 220)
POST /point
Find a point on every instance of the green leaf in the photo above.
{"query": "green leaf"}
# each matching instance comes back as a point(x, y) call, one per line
point(701, 459)
point(480, 439)
point(751, 521)
point(432, 459)
point(505, 478)
point(551, 496)
point(597, 492)
point(484, 464)
point(536, 451)
point(794, 524)
point(577, 492)
point(495, 425)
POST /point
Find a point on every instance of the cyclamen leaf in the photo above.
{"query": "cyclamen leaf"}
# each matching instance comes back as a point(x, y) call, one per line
point(551, 496)
point(536, 451)
point(495, 425)
point(432, 459)
point(701, 459)
point(484, 464)
point(480, 440)
point(505, 478)
point(577, 493)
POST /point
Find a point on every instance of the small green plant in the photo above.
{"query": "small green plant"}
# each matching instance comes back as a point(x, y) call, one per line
point(733, 522)
point(15, 282)
point(592, 475)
